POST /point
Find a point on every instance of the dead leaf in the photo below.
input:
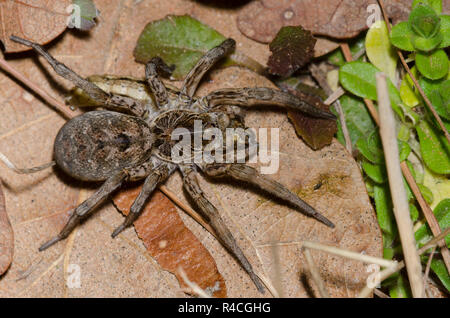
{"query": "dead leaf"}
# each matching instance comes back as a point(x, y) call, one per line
point(292, 48)
point(317, 133)
point(338, 19)
point(171, 243)
point(37, 20)
point(6, 236)
point(122, 267)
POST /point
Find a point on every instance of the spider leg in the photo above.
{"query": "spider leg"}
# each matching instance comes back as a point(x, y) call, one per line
point(110, 101)
point(152, 68)
point(157, 176)
point(210, 212)
point(85, 209)
point(204, 64)
point(248, 174)
point(252, 96)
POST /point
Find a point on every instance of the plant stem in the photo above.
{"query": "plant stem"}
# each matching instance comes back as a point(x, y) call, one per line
point(315, 274)
point(391, 270)
point(398, 192)
point(60, 107)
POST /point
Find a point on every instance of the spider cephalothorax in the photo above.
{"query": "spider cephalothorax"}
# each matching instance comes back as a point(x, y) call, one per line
point(133, 139)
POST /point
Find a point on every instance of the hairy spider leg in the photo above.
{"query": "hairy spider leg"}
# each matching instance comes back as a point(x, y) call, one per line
point(154, 67)
point(157, 176)
point(109, 101)
point(250, 175)
point(212, 215)
point(204, 64)
point(87, 207)
point(254, 96)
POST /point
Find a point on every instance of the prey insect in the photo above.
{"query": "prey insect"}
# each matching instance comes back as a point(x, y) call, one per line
point(130, 139)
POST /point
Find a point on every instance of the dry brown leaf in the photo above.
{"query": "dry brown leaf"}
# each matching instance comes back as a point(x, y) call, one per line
point(37, 20)
point(171, 243)
point(316, 132)
point(338, 19)
point(6, 236)
point(122, 267)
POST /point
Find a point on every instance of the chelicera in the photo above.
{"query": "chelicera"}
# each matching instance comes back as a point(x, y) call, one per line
point(131, 140)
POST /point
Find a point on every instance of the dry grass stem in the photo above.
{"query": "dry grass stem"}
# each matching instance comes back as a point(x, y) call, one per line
point(398, 192)
point(315, 274)
point(60, 107)
point(194, 288)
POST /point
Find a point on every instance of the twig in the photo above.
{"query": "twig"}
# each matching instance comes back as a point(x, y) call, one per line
point(315, 274)
point(321, 79)
point(434, 241)
point(194, 288)
point(398, 192)
point(380, 294)
point(63, 109)
point(391, 270)
point(244, 60)
point(335, 96)
point(413, 78)
point(427, 268)
point(197, 217)
point(277, 270)
point(429, 215)
point(350, 254)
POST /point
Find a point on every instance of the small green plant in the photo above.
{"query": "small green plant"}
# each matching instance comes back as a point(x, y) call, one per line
point(422, 145)
point(426, 33)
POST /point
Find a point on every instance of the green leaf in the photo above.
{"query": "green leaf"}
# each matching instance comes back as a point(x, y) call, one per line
point(404, 150)
point(374, 171)
point(424, 21)
point(427, 194)
point(439, 186)
point(407, 90)
point(414, 213)
point(433, 65)
point(371, 148)
point(445, 31)
point(379, 49)
point(337, 57)
point(427, 44)
point(292, 48)
point(404, 133)
point(440, 270)
point(434, 147)
point(83, 15)
point(359, 122)
point(178, 40)
point(442, 213)
point(401, 36)
point(440, 105)
point(359, 79)
point(429, 85)
point(435, 4)
point(384, 209)
point(400, 289)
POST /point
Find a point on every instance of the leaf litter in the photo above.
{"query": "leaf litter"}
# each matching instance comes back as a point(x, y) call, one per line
point(39, 20)
point(330, 20)
point(120, 267)
point(6, 236)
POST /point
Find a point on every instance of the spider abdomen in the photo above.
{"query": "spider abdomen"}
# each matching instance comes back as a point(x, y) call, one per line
point(94, 145)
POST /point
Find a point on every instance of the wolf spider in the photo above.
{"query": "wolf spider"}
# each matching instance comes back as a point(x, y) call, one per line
point(131, 141)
